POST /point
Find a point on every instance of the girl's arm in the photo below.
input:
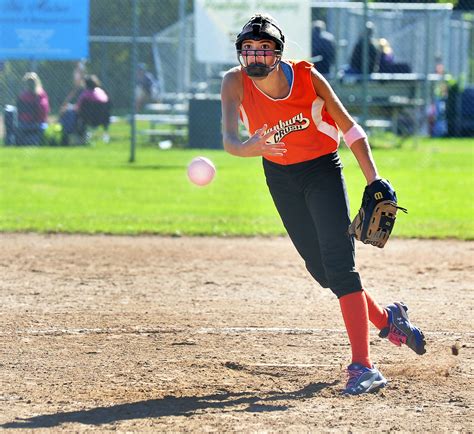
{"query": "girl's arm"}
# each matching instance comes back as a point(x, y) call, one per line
point(231, 99)
point(360, 148)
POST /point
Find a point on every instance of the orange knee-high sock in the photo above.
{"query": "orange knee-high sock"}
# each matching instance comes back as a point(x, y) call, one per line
point(377, 315)
point(356, 318)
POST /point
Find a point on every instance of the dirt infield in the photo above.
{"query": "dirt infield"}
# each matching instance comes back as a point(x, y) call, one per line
point(212, 334)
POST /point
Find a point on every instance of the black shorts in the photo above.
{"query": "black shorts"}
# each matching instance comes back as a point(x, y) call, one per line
point(312, 201)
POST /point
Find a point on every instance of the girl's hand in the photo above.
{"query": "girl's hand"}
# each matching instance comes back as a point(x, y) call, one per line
point(257, 145)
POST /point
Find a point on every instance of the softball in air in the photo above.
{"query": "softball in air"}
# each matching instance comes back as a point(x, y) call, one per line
point(201, 171)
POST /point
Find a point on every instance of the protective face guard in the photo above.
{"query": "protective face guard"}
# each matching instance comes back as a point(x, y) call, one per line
point(248, 61)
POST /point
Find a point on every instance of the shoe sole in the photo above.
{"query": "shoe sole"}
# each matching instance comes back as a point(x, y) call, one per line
point(374, 387)
point(418, 350)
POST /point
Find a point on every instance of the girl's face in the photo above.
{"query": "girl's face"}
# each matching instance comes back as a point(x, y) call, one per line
point(258, 52)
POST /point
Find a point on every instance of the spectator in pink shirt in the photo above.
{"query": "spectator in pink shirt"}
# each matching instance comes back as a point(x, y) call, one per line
point(33, 102)
point(33, 110)
point(92, 109)
point(93, 106)
point(93, 92)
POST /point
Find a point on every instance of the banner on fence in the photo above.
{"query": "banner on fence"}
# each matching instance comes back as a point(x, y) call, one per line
point(217, 23)
point(44, 29)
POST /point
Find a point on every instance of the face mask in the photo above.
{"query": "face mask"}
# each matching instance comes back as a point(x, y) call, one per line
point(258, 69)
point(260, 27)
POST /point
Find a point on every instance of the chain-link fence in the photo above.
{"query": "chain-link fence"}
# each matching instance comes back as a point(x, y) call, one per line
point(405, 68)
point(418, 58)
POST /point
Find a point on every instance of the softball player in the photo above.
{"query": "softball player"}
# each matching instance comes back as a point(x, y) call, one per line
point(293, 116)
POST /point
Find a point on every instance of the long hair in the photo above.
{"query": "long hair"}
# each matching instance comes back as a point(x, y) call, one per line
point(92, 82)
point(32, 82)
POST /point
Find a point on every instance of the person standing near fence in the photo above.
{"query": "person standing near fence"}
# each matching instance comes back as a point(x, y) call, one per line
point(322, 44)
point(293, 116)
point(147, 87)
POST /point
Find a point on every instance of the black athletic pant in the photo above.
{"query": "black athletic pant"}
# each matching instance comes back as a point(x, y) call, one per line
point(312, 201)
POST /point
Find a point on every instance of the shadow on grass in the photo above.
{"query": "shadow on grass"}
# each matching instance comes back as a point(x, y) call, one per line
point(169, 406)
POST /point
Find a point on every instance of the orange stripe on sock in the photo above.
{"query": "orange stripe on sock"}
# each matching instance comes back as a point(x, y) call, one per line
point(377, 315)
point(356, 318)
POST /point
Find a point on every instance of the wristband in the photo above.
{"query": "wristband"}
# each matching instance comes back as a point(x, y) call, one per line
point(356, 132)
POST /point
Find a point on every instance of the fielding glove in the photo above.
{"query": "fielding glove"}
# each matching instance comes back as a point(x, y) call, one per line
point(374, 222)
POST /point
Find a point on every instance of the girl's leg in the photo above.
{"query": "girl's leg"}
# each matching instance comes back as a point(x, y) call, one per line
point(327, 201)
point(313, 206)
point(377, 315)
point(356, 319)
point(290, 203)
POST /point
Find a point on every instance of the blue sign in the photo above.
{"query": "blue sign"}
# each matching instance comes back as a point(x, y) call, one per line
point(44, 29)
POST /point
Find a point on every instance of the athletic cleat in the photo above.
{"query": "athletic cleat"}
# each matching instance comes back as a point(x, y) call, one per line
point(363, 379)
point(401, 331)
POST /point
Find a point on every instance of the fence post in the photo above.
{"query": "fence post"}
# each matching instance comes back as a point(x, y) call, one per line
point(133, 80)
point(182, 43)
point(365, 67)
point(429, 49)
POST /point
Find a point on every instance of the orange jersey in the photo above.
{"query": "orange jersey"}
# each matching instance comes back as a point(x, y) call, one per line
point(299, 120)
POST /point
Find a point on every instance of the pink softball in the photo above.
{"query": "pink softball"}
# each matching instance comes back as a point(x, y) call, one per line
point(201, 171)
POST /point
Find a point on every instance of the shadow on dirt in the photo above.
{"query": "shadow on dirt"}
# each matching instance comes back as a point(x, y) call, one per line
point(169, 406)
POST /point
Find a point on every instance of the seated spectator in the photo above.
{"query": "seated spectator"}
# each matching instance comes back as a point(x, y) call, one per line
point(67, 113)
point(93, 107)
point(386, 55)
point(356, 66)
point(77, 87)
point(33, 110)
point(387, 60)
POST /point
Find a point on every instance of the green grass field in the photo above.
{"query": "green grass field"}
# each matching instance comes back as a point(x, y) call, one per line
point(95, 190)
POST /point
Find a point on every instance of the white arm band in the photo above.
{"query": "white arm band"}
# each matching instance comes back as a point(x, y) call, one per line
point(356, 132)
